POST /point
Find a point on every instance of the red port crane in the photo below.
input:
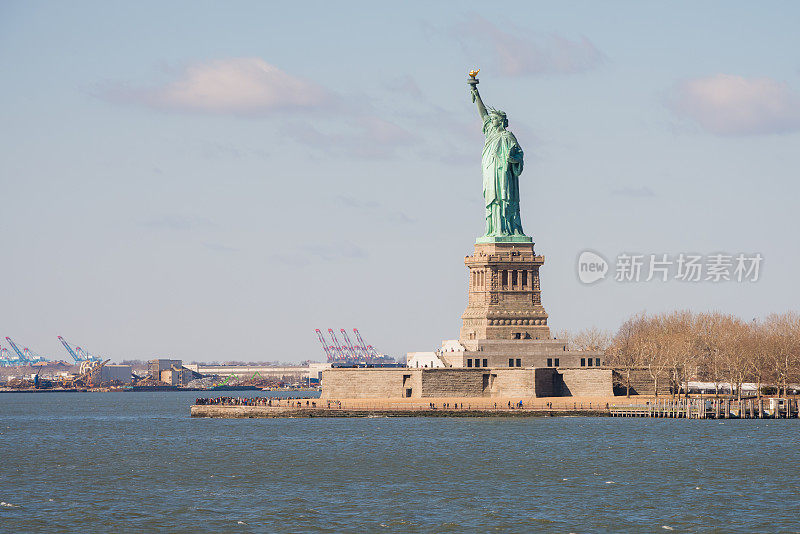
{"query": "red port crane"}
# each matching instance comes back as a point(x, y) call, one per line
point(325, 346)
point(363, 346)
point(348, 351)
point(338, 348)
point(356, 354)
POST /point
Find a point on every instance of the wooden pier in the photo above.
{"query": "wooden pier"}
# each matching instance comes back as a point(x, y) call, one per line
point(714, 408)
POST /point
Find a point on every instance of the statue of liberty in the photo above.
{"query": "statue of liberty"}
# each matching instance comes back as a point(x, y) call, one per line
point(501, 165)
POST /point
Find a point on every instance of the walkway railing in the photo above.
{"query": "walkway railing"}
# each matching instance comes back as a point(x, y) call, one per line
point(754, 408)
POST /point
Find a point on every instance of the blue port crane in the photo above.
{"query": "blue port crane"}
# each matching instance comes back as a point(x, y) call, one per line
point(33, 357)
point(86, 356)
point(78, 354)
point(5, 359)
point(71, 352)
point(12, 360)
point(26, 356)
point(22, 359)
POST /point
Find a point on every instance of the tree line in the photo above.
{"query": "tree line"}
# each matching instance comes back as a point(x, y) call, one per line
point(711, 347)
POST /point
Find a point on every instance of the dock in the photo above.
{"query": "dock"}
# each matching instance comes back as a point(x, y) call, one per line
point(715, 408)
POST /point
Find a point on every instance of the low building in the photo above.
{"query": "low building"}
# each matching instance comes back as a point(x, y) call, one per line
point(366, 383)
point(315, 370)
point(289, 374)
point(523, 353)
point(116, 373)
point(424, 359)
point(514, 352)
point(171, 372)
point(162, 364)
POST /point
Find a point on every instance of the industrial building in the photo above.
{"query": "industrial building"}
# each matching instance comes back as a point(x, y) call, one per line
point(171, 372)
point(116, 373)
point(289, 374)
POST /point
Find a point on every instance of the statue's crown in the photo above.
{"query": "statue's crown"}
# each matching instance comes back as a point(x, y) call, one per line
point(499, 112)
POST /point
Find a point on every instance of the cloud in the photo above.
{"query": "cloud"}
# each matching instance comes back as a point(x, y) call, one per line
point(235, 86)
point(218, 247)
point(352, 202)
point(635, 192)
point(375, 209)
point(341, 251)
point(328, 123)
point(367, 136)
point(448, 134)
point(385, 132)
point(214, 150)
point(733, 105)
point(406, 86)
point(520, 55)
point(317, 253)
point(177, 222)
point(399, 217)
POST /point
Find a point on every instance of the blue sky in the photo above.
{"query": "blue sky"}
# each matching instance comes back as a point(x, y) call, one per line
point(212, 181)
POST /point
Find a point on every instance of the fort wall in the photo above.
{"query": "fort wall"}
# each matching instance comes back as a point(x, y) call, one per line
point(455, 382)
point(359, 383)
point(375, 383)
point(586, 382)
point(513, 383)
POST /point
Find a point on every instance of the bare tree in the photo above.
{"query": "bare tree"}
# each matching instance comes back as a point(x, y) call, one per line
point(623, 353)
point(707, 346)
point(565, 336)
point(592, 339)
point(734, 343)
point(707, 336)
point(652, 345)
point(784, 333)
point(677, 331)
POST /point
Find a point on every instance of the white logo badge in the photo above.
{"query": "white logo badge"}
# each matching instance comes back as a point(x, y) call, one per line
point(591, 267)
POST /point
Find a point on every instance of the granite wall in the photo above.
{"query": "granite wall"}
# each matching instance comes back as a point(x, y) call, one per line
point(360, 383)
point(455, 382)
point(586, 382)
point(356, 383)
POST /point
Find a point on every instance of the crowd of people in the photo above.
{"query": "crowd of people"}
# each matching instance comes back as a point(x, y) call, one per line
point(254, 401)
point(295, 403)
point(336, 404)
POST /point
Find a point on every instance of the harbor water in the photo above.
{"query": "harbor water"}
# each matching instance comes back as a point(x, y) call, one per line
point(123, 462)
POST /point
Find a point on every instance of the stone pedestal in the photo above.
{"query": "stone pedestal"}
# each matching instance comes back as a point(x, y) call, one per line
point(505, 300)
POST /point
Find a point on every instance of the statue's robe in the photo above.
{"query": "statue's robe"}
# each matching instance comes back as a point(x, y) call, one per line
point(502, 165)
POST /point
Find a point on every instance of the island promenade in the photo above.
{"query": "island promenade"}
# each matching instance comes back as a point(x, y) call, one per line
point(403, 407)
point(638, 406)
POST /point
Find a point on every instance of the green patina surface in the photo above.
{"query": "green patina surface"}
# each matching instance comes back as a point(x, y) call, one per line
point(504, 239)
point(501, 165)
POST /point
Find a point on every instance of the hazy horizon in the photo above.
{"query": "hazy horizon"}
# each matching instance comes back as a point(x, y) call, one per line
point(212, 182)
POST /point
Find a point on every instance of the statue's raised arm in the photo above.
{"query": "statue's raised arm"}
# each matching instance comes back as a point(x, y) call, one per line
point(476, 96)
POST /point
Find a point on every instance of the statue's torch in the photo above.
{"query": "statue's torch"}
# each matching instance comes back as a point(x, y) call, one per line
point(472, 81)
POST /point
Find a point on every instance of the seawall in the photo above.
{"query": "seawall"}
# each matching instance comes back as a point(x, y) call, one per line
point(260, 412)
point(671, 408)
